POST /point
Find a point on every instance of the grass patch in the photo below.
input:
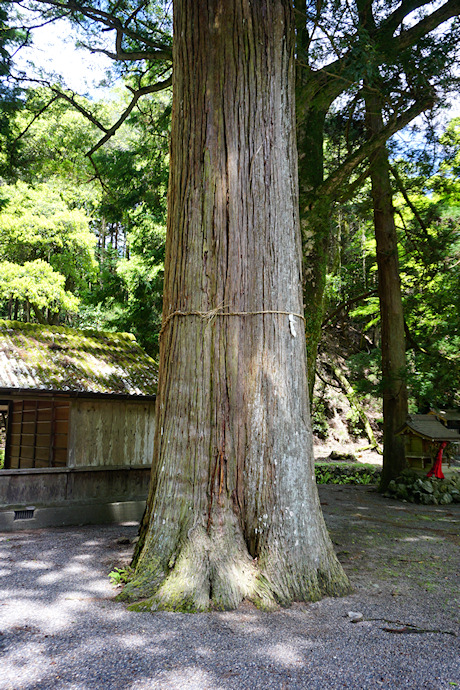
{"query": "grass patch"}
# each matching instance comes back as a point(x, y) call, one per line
point(346, 473)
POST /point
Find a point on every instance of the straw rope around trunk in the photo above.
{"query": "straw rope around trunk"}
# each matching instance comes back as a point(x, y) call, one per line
point(218, 311)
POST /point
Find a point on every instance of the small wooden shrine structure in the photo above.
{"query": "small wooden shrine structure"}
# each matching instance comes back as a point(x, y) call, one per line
point(423, 435)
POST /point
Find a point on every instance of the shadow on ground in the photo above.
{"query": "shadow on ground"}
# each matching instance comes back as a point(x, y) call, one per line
point(60, 627)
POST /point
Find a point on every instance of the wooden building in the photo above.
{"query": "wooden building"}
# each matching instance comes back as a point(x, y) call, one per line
point(423, 434)
point(78, 417)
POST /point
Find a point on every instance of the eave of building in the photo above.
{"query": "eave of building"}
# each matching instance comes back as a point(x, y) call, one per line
point(49, 358)
point(451, 437)
point(51, 393)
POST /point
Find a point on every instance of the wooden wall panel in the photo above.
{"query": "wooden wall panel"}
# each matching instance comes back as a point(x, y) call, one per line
point(80, 433)
point(38, 432)
point(111, 433)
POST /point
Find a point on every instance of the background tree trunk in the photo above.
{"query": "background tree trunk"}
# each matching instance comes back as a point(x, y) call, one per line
point(315, 213)
point(233, 510)
point(393, 342)
point(315, 222)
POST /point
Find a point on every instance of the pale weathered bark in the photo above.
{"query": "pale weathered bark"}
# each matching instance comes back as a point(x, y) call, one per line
point(233, 510)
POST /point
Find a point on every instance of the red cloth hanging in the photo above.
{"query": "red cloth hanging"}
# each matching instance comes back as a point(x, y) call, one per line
point(437, 466)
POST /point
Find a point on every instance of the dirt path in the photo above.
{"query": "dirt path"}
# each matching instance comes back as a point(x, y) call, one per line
point(60, 627)
point(406, 551)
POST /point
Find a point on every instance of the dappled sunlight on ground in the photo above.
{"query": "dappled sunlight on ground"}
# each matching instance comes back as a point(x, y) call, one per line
point(61, 628)
point(421, 537)
point(285, 654)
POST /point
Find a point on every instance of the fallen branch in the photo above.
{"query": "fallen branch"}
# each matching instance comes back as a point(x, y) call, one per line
point(354, 402)
point(348, 303)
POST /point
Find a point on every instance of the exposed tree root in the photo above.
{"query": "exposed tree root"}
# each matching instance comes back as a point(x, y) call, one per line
point(215, 571)
point(208, 573)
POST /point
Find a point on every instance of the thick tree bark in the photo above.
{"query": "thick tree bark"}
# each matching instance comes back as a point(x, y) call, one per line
point(393, 342)
point(233, 510)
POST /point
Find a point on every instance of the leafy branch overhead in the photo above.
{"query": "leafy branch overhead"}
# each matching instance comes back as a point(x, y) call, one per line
point(137, 37)
point(140, 34)
point(411, 84)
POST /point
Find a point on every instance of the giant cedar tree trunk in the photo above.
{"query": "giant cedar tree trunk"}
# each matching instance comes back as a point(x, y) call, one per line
point(233, 510)
point(393, 343)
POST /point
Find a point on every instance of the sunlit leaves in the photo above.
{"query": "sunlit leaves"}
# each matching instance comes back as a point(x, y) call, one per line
point(36, 283)
point(37, 224)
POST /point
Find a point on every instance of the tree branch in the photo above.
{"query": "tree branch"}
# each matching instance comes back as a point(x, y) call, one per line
point(391, 23)
point(65, 96)
point(86, 113)
point(35, 117)
point(348, 303)
point(328, 383)
point(403, 191)
point(132, 56)
point(328, 82)
point(109, 20)
point(136, 95)
point(408, 38)
point(353, 187)
point(341, 175)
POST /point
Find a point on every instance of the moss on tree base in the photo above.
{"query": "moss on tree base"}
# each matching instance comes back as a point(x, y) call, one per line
point(217, 573)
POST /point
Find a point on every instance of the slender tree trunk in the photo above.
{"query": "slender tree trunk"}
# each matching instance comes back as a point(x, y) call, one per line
point(233, 510)
point(102, 252)
point(39, 314)
point(393, 343)
point(315, 221)
point(314, 213)
point(316, 233)
point(315, 210)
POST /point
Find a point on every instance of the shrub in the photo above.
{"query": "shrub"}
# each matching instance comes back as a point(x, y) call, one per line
point(346, 473)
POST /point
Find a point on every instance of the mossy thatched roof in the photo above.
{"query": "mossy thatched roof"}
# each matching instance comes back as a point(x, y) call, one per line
point(64, 359)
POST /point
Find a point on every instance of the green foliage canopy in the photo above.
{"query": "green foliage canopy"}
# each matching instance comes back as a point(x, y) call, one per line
point(37, 284)
point(37, 223)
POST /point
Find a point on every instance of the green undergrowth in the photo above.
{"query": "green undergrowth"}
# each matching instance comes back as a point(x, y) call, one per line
point(120, 576)
point(413, 487)
point(346, 473)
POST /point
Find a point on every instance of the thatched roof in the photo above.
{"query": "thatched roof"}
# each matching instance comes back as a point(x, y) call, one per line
point(428, 426)
point(64, 359)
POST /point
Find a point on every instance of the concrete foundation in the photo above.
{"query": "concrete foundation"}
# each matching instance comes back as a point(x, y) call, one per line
point(34, 498)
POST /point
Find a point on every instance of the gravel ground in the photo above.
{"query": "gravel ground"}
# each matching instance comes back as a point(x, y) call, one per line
point(61, 628)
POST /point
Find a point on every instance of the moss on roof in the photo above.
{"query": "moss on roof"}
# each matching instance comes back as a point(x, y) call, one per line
point(65, 359)
point(429, 427)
